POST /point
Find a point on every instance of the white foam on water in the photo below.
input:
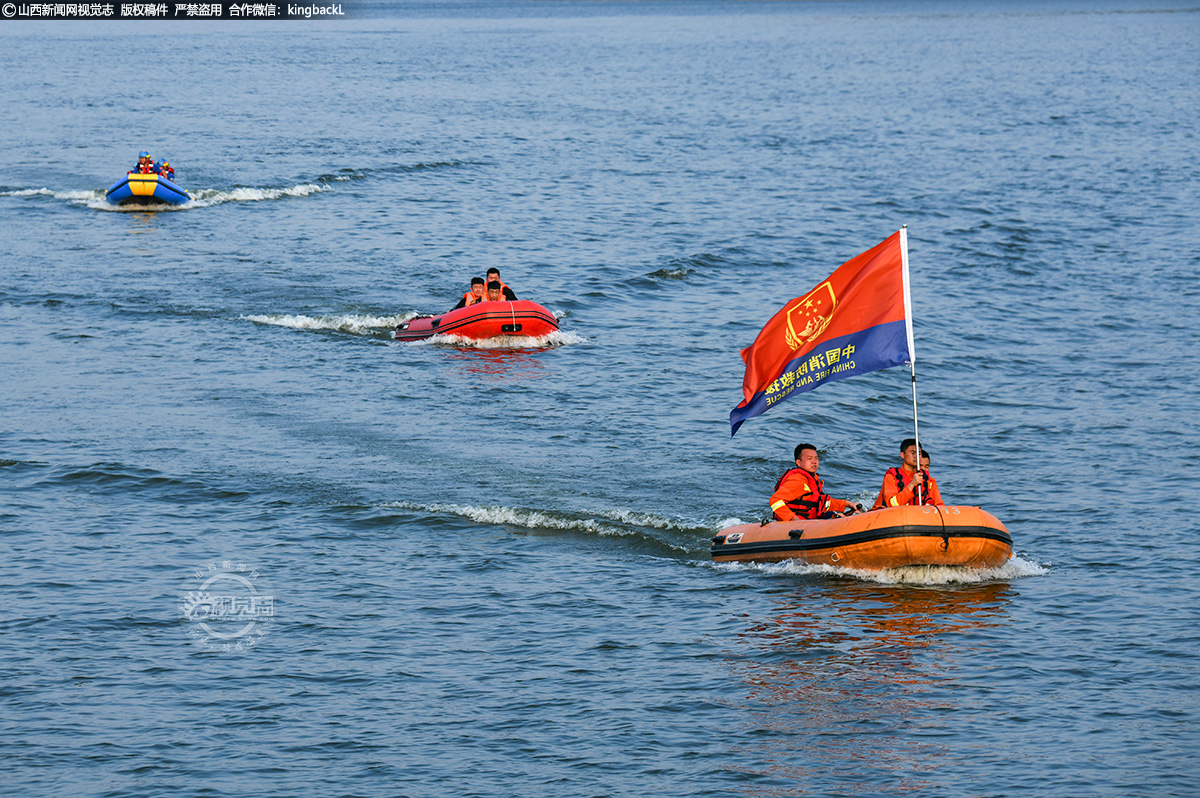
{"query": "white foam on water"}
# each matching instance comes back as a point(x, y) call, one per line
point(94, 199)
point(202, 198)
point(531, 519)
point(209, 197)
point(354, 323)
point(651, 521)
point(28, 192)
point(77, 196)
point(101, 204)
point(554, 339)
point(926, 575)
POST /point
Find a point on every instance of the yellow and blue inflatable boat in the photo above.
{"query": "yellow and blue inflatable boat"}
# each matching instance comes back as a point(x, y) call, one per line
point(135, 189)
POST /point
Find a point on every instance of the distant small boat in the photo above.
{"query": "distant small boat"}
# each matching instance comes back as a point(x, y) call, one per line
point(889, 538)
point(483, 320)
point(135, 189)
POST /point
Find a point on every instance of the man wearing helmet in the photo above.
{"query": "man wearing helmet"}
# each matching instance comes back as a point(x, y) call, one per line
point(144, 165)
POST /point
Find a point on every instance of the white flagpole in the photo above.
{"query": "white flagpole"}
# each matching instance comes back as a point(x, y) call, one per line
point(912, 351)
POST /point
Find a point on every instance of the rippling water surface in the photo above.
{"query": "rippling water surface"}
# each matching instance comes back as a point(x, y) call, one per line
point(488, 565)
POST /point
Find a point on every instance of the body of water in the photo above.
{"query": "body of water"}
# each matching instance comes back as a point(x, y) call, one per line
point(484, 570)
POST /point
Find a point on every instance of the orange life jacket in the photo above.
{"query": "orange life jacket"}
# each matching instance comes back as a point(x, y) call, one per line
point(812, 504)
point(470, 299)
point(503, 287)
point(897, 474)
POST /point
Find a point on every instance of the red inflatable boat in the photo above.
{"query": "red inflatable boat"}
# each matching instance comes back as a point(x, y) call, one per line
point(483, 320)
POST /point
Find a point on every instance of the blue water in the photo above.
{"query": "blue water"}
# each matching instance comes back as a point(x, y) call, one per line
point(489, 565)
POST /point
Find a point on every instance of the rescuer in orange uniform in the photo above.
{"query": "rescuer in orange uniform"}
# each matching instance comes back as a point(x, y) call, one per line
point(800, 493)
point(495, 293)
point(903, 485)
point(472, 296)
point(493, 275)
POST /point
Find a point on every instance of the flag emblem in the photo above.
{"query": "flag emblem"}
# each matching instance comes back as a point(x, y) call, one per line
point(855, 321)
point(809, 317)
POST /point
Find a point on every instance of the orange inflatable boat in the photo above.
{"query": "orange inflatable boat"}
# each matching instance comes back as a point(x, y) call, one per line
point(483, 320)
point(889, 538)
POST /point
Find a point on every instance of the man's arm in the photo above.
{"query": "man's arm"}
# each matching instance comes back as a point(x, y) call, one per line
point(841, 505)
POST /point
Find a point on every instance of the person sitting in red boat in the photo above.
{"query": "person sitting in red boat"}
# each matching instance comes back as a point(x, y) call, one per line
point(165, 170)
point(144, 165)
point(493, 275)
point(495, 292)
point(910, 483)
point(800, 493)
point(476, 294)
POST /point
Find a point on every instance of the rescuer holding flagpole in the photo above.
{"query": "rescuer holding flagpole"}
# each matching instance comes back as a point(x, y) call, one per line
point(909, 483)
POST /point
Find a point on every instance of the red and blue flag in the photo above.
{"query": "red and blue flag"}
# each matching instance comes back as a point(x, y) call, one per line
point(857, 320)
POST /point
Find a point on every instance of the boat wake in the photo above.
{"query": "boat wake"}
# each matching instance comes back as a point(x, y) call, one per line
point(74, 196)
point(549, 341)
point(206, 198)
point(350, 323)
point(618, 523)
point(92, 198)
point(382, 326)
point(203, 198)
point(1015, 568)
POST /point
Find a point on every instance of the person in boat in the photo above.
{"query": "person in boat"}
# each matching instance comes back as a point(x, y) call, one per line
point(495, 292)
point(933, 488)
point(144, 165)
point(800, 492)
point(910, 483)
point(165, 171)
point(476, 294)
point(493, 275)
